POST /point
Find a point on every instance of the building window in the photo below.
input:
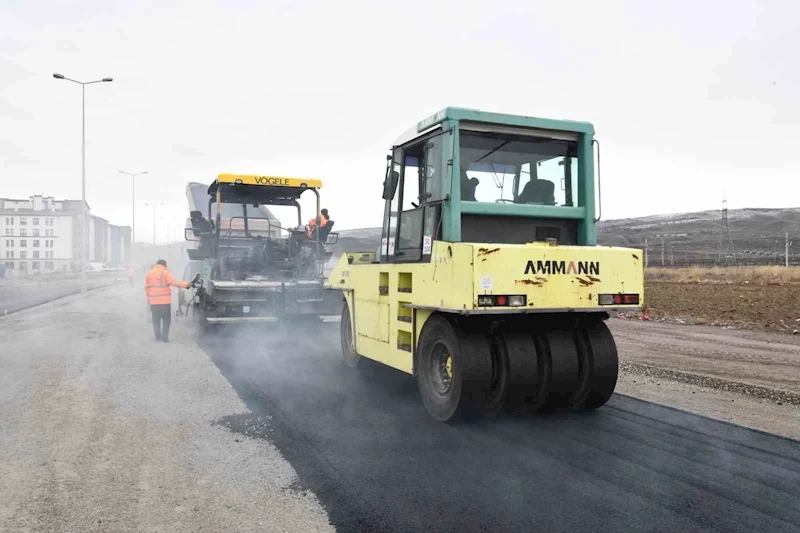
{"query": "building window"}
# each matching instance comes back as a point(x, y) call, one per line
point(10, 265)
point(48, 265)
point(23, 232)
point(9, 221)
point(10, 243)
point(23, 221)
point(35, 221)
point(52, 222)
point(36, 254)
point(36, 232)
point(36, 243)
point(23, 255)
point(36, 265)
point(9, 232)
point(23, 243)
point(23, 265)
point(10, 254)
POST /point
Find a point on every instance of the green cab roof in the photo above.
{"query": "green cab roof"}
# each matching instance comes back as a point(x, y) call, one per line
point(520, 121)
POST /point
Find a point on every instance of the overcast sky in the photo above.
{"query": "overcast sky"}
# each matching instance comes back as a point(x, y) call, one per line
point(688, 98)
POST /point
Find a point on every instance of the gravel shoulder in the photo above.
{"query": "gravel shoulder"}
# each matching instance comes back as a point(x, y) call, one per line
point(744, 377)
point(102, 429)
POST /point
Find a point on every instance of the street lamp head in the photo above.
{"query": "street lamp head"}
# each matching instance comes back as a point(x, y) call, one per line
point(108, 79)
point(58, 76)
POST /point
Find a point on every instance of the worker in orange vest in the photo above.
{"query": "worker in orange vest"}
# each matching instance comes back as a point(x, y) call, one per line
point(158, 285)
point(317, 223)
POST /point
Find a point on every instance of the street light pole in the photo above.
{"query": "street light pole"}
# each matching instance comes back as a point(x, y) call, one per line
point(169, 229)
point(84, 226)
point(154, 206)
point(133, 201)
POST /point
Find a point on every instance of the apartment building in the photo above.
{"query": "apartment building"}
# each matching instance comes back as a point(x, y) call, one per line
point(41, 234)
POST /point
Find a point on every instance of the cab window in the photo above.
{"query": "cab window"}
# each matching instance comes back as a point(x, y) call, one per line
point(503, 168)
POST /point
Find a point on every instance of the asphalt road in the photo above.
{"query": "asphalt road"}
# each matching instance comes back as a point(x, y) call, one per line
point(363, 443)
point(23, 296)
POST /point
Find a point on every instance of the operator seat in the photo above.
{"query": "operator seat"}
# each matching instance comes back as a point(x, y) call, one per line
point(537, 191)
point(200, 226)
point(325, 231)
point(468, 186)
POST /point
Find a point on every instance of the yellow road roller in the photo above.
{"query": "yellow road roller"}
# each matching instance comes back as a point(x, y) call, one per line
point(488, 284)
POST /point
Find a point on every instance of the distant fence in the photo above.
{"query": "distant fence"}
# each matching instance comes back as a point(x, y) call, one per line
point(683, 251)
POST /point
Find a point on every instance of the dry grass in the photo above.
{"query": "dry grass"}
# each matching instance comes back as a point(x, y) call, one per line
point(776, 275)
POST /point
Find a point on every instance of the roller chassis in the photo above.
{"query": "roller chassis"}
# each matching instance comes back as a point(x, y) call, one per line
point(554, 353)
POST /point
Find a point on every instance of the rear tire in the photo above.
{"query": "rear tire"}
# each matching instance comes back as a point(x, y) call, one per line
point(498, 386)
point(351, 357)
point(454, 371)
point(527, 372)
point(558, 346)
point(597, 343)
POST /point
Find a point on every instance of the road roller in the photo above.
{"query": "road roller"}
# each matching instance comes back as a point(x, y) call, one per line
point(488, 284)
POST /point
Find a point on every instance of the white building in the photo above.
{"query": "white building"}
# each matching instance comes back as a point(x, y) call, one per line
point(41, 234)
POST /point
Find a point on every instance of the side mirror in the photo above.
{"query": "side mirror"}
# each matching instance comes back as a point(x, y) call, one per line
point(390, 184)
point(196, 278)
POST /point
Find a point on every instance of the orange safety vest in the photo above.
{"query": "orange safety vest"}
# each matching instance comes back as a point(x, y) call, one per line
point(157, 285)
point(313, 222)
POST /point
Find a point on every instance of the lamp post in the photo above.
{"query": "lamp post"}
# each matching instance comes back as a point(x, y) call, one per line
point(84, 226)
point(154, 206)
point(133, 201)
point(170, 229)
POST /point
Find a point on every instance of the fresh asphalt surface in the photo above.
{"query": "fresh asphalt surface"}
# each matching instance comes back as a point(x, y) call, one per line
point(14, 298)
point(363, 443)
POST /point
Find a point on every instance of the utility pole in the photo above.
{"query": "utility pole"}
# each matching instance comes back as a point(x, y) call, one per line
point(83, 227)
point(787, 249)
point(727, 228)
point(133, 201)
point(646, 254)
point(662, 251)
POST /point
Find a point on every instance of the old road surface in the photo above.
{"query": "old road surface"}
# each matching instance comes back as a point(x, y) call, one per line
point(27, 294)
point(103, 429)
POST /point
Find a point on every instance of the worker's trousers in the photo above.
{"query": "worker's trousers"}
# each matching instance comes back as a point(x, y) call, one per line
point(161, 315)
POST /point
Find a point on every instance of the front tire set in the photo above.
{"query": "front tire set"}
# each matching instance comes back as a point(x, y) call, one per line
point(468, 367)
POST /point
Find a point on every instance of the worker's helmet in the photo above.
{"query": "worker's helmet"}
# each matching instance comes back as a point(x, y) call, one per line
point(161, 262)
point(324, 212)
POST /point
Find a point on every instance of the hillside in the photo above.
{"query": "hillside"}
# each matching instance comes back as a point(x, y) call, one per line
point(757, 236)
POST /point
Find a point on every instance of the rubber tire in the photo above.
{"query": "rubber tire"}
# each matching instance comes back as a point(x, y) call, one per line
point(351, 358)
point(472, 371)
point(527, 372)
point(564, 380)
point(596, 341)
point(500, 367)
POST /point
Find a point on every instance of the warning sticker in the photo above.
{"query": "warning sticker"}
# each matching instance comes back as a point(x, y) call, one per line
point(427, 244)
